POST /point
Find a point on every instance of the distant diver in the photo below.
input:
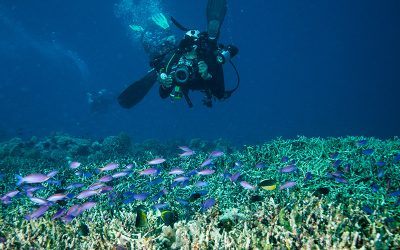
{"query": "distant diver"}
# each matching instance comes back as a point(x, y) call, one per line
point(195, 63)
point(100, 101)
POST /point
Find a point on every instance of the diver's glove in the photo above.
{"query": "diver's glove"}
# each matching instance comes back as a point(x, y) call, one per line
point(165, 80)
point(203, 70)
point(160, 20)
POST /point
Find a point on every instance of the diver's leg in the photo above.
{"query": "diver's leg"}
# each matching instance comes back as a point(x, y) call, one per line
point(216, 10)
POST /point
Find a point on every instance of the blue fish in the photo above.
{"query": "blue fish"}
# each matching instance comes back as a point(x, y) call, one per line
point(381, 172)
point(341, 180)
point(380, 164)
point(395, 193)
point(160, 206)
point(202, 192)
point(337, 163)
point(129, 200)
point(141, 196)
point(362, 143)
point(347, 168)
point(308, 176)
point(285, 159)
point(158, 195)
point(334, 155)
point(208, 204)
point(183, 202)
point(191, 173)
point(368, 151)
point(260, 165)
point(396, 158)
point(374, 187)
point(156, 181)
point(367, 209)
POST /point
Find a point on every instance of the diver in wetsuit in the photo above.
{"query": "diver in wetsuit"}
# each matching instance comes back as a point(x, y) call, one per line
point(194, 64)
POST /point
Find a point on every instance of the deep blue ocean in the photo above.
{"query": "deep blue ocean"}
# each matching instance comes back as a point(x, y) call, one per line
point(313, 68)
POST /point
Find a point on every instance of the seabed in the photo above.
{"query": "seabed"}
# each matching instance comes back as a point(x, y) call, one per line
point(345, 196)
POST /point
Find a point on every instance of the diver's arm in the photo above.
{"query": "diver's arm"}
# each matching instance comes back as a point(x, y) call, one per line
point(203, 71)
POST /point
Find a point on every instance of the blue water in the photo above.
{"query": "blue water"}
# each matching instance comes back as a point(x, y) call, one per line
point(314, 68)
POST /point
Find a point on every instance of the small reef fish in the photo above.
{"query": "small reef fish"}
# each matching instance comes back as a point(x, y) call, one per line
point(57, 197)
point(86, 206)
point(381, 172)
point(234, 177)
point(141, 196)
point(96, 186)
point(37, 213)
point(156, 181)
point(187, 153)
point(308, 176)
point(216, 154)
point(149, 171)
point(121, 174)
point(285, 159)
point(206, 172)
point(156, 161)
point(288, 184)
point(208, 204)
point(206, 162)
point(185, 148)
point(181, 179)
point(32, 178)
point(60, 212)
point(106, 178)
point(288, 169)
point(52, 173)
point(176, 171)
point(75, 185)
point(39, 201)
point(201, 184)
point(395, 193)
point(368, 151)
point(86, 194)
point(361, 143)
point(74, 165)
point(109, 167)
point(341, 180)
point(247, 185)
point(260, 165)
point(380, 163)
point(374, 187)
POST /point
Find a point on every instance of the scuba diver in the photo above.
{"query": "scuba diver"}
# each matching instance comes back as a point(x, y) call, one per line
point(100, 101)
point(195, 63)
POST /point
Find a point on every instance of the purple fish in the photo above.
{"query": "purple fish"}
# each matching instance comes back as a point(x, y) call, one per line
point(129, 166)
point(59, 213)
point(96, 186)
point(75, 185)
point(86, 206)
point(39, 201)
point(337, 174)
point(156, 161)
point(74, 165)
point(206, 172)
point(32, 178)
point(206, 162)
point(109, 167)
point(341, 180)
point(347, 168)
point(149, 171)
point(176, 171)
point(288, 169)
point(52, 173)
point(216, 154)
point(106, 189)
point(368, 151)
point(121, 174)
point(141, 197)
point(185, 148)
point(11, 194)
point(208, 204)
point(337, 163)
point(181, 179)
point(106, 178)
point(73, 211)
point(201, 184)
point(187, 153)
point(86, 194)
point(260, 165)
point(234, 177)
point(288, 184)
point(247, 185)
point(37, 213)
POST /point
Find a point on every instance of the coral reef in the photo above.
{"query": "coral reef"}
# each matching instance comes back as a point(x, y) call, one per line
point(342, 199)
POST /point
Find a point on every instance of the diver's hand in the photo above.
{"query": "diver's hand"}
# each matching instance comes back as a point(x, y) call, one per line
point(203, 70)
point(165, 80)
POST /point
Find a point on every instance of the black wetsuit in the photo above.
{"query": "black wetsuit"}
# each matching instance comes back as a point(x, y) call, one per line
point(214, 87)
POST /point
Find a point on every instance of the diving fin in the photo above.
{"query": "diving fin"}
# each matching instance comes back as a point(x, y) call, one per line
point(137, 90)
point(216, 10)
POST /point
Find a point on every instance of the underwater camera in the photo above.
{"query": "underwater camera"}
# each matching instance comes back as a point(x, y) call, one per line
point(226, 53)
point(182, 73)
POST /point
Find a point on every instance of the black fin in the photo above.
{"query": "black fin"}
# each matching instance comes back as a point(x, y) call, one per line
point(137, 90)
point(178, 25)
point(216, 10)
